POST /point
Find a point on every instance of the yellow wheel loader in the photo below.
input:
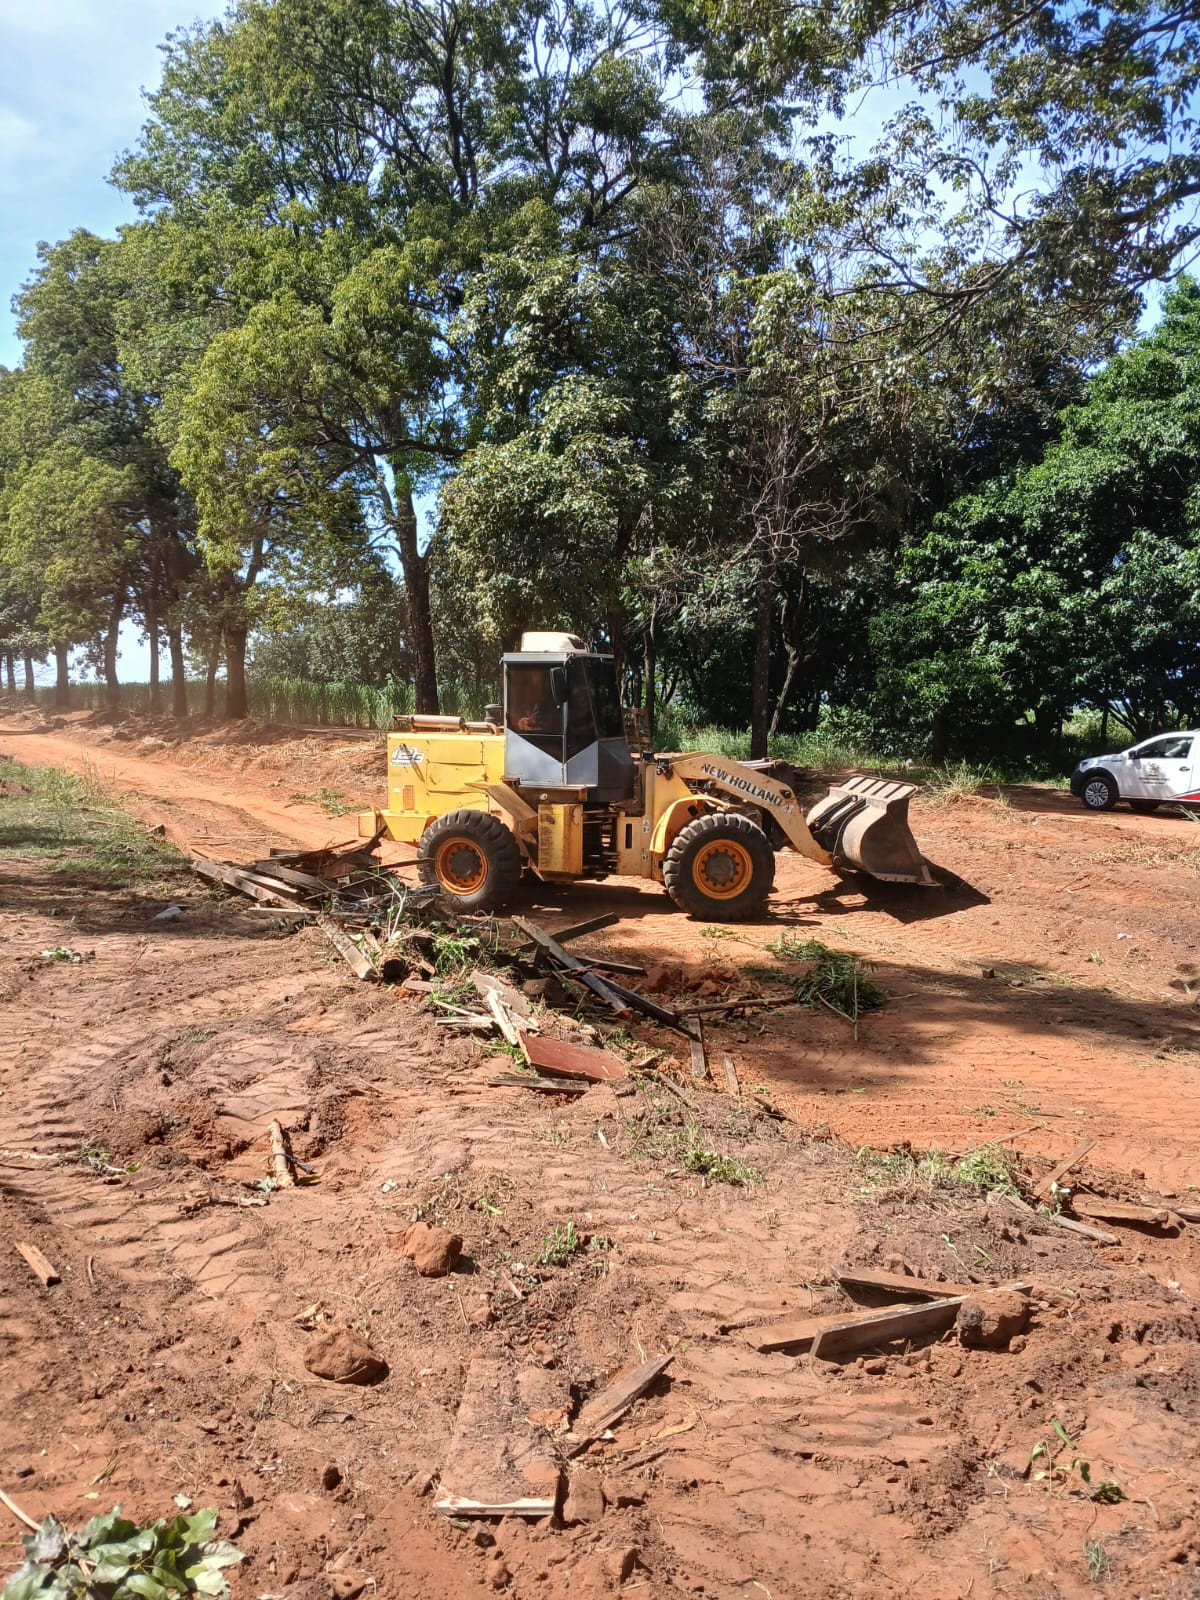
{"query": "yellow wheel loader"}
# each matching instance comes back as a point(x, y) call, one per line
point(550, 784)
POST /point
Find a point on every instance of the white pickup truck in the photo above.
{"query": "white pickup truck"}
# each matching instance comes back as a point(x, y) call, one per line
point(1165, 768)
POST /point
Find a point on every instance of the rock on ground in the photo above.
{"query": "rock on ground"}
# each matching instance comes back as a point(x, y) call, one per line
point(432, 1250)
point(989, 1321)
point(343, 1356)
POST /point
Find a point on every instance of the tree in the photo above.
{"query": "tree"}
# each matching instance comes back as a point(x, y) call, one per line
point(1075, 581)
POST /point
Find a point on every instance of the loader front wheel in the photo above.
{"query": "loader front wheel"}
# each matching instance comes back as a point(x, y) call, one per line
point(720, 867)
point(472, 857)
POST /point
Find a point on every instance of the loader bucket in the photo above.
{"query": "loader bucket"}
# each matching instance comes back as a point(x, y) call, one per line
point(863, 823)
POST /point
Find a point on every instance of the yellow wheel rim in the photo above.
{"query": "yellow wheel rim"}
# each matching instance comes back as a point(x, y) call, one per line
point(460, 866)
point(722, 869)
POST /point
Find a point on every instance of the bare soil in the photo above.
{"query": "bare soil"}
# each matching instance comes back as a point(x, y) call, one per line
point(171, 1357)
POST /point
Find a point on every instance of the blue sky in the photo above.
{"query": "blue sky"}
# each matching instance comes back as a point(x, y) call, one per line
point(71, 80)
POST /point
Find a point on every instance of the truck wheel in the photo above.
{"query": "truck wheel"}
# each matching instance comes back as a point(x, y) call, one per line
point(1144, 806)
point(720, 867)
point(472, 857)
point(1099, 792)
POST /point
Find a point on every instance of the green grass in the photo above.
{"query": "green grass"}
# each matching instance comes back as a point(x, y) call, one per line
point(77, 829)
point(332, 801)
point(989, 1169)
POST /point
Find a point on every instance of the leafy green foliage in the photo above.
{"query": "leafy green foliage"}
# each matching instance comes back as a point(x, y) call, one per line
point(834, 978)
point(112, 1558)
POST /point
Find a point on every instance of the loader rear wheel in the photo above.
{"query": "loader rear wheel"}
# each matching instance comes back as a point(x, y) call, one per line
point(720, 867)
point(472, 857)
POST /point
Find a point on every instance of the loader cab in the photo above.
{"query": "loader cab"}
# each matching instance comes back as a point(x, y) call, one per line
point(563, 727)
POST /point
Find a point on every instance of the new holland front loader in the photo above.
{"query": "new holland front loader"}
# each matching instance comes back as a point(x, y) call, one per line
point(550, 785)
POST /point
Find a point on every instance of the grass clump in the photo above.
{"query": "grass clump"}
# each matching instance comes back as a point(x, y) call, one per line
point(559, 1246)
point(78, 829)
point(332, 801)
point(835, 978)
point(990, 1169)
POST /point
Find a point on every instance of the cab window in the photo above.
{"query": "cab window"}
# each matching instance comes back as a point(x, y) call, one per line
point(531, 708)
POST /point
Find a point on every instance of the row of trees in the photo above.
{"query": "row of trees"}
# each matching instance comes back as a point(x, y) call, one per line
point(682, 362)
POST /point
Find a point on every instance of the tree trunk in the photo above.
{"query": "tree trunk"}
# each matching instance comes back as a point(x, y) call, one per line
point(236, 705)
point(210, 681)
point(152, 634)
point(938, 738)
point(415, 567)
point(112, 687)
point(179, 695)
point(793, 661)
point(1104, 727)
point(30, 687)
point(62, 676)
point(649, 670)
point(762, 660)
point(10, 671)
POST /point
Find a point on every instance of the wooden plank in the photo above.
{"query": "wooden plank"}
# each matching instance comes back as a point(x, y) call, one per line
point(897, 1283)
point(234, 878)
point(1060, 1171)
point(37, 1263)
point(1095, 1205)
point(498, 1461)
point(612, 1403)
point(559, 1056)
point(518, 1080)
point(1188, 1213)
point(732, 1084)
point(1050, 1219)
point(289, 875)
point(346, 948)
point(516, 1004)
point(576, 930)
point(696, 1043)
point(851, 1335)
point(503, 1021)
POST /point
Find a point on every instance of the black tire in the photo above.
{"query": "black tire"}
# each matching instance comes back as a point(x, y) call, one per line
point(1144, 806)
point(696, 865)
point(473, 859)
point(1099, 792)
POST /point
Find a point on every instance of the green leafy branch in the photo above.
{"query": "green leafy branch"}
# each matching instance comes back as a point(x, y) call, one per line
point(112, 1558)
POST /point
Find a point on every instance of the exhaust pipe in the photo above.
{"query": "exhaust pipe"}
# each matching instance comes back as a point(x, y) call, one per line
point(863, 823)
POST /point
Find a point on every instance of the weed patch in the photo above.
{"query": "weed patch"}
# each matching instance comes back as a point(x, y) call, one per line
point(836, 979)
point(78, 830)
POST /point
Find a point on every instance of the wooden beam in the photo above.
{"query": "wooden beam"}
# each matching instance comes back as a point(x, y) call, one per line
point(1050, 1219)
point(346, 948)
point(614, 998)
point(518, 1080)
point(732, 1085)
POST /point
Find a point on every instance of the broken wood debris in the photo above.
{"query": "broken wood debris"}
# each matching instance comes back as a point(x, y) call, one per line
point(1047, 1184)
point(519, 1080)
point(559, 1056)
point(1051, 1219)
point(283, 1162)
point(38, 1264)
point(599, 1414)
point(831, 1338)
point(1102, 1210)
point(695, 1037)
point(356, 959)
